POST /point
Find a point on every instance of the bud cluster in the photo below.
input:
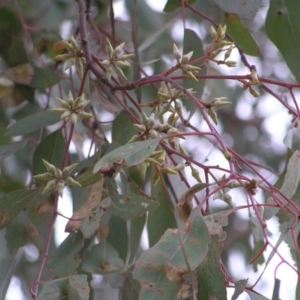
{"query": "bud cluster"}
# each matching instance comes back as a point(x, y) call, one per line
point(182, 61)
point(218, 41)
point(216, 103)
point(253, 81)
point(116, 61)
point(73, 57)
point(73, 109)
point(57, 178)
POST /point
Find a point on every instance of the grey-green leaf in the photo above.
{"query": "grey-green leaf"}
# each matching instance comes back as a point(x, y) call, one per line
point(127, 155)
point(161, 269)
point(33, 123)
point(130, 206)
point(74, 287)
point(11, 148)
point(283, 28)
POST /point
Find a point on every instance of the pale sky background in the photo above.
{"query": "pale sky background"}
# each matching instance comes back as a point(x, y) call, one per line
point(277, 129)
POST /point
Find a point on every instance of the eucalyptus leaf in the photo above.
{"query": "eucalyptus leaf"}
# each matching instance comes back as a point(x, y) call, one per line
point(12, 203)
point(246, 9)
point(103, 259)
point(33, 123)
point(130, 206)
point(72, 287)
point(65, 260)
point(127, 155)
point(283, 28)
point(241, 35)
point(163, 268)
point(289, 186)
point(12, 148)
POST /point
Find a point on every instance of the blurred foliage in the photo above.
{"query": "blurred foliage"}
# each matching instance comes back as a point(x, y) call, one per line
point(143, 156)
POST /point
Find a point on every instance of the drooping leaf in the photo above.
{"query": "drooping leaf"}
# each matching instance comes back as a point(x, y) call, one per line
point(73, 287)
point(172, 5)
point(239, 288)
point(161, 218)
point(246, 9)
point(17, 54)
point(65, 260)
point(283, 28)
point(118, 236)
point(89, 177)
point(130, 206)
point(162, 270)
point(10, 26)
point(33, 123)
point(87, 208)
point(127, 155)
point(12, 148)
point(27, 92)
point(122, 129)
point(43, 78)
point(185, 204)
point(289, 186)
point(51, 149)
point(12, 203)
point(192, 42)
point(211, 279)
point(102, 259)
point(20, 231)
point(90, 223)
point(241, 35)
point(256, 296)
point(49, 43)
point(7, 269)
point(135, 234)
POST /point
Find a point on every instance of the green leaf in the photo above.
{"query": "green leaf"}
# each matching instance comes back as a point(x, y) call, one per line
point(239, 288)
point(89, 214)
point(20, 231)
point(246, 9)
point(289, 186)
point(10, 26)
point(88, 177)
point(136, 228)
point(43, 78)
point(17, 54)
point(241, 35)
point(12, 203)
point(172, 5)
point(161, 218)
point(192, 42)
point(26, 91)
point(91, 223)
point(47, 42)
point(102, 259)
point(283, 28)
point(162, 269)
point(65, 260)
point(7, 269)
point(130, 206)
point(122, 129)
point(127, 155)
point(12, 148)
point(256, 296)
point(51, 149)
point(211, 279)
point(74, 287)
point(118, 236)
point(33, 123)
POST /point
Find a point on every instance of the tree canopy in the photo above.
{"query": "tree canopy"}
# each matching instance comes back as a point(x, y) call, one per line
point(171, 132)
